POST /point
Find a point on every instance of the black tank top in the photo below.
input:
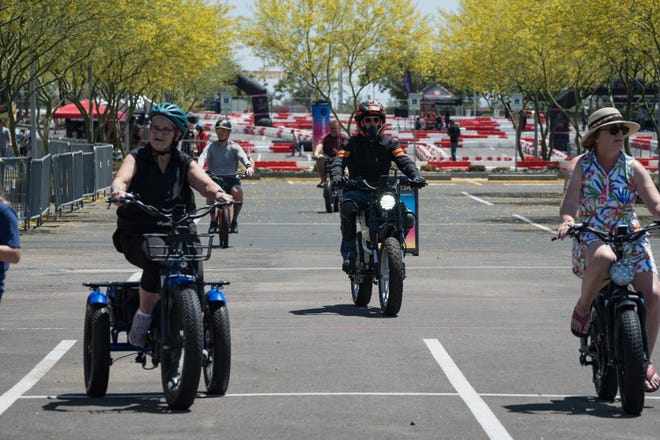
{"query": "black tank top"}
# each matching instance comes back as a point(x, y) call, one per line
point(162, 190)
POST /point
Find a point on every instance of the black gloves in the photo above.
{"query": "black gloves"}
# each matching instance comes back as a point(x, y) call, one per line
point(418, 181)
point(338, 182)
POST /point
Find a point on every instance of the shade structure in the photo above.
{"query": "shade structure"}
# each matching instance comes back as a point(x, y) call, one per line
point(70, 111)
point(437, 94)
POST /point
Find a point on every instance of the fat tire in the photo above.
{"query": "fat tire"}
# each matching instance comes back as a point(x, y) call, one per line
point(217, 339)
point(603, 373)
point(361, 290)
point(223, 227)
point(327, 196)
point(96, 351)
point(630, 370)
point(180, 377)
point(390, 277)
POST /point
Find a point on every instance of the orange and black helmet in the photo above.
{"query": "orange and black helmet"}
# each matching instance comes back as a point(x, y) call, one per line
point(370, 107)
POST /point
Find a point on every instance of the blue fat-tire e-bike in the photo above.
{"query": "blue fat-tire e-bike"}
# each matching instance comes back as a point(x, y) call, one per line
point(190, 329)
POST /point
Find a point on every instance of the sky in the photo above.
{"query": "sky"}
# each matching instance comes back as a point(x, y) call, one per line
point(244, 7)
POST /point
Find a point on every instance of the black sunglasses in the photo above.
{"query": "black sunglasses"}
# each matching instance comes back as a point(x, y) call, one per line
point(369, 119)
point(614, 129)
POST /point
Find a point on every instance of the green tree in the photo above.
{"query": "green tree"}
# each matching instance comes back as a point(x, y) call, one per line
point(26, 56)
point(166, 50)
point(325, 43)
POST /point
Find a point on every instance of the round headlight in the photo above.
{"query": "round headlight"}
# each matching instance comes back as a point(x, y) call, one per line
point(622, 272)
point(387, 202)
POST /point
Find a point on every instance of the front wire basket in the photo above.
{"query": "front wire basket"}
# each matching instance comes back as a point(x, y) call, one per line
point(191, 247)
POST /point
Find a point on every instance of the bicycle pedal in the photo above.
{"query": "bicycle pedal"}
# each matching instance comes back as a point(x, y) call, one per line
point(584, 361)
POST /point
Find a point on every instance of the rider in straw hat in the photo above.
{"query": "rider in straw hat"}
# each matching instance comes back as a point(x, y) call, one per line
point(600, 190)
point(606, 117)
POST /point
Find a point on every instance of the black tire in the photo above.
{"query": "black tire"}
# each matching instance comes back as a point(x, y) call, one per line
point(361, 289)
point(223, 227)
point(630, 371)
point(182, 361)
point(390, 277)
point(217, 340)
point(603, 374)
point(96, 351)
point(327, 196)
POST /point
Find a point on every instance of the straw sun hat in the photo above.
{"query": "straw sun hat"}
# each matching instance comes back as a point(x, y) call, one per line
point(602, 118)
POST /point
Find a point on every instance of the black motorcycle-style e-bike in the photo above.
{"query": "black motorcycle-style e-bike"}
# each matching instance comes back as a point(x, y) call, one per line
point(381, 242)
point(190, 328)
point(617, 345)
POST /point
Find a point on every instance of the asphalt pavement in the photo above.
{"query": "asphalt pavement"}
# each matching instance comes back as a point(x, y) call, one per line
point(481, 348)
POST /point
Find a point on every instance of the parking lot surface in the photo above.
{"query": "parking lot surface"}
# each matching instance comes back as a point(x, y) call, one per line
point(480, 349)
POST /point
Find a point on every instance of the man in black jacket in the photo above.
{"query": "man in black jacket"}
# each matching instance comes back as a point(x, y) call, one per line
point(454, 133)
point(368, 154)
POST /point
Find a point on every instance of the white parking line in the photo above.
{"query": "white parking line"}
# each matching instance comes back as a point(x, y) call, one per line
point(322, 394)
point(485, 202)
point(490, 424)
point(536, 225)
point(8, 399)
point(136, 275)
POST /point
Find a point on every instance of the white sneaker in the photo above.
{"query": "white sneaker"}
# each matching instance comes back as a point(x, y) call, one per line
point(137, 336)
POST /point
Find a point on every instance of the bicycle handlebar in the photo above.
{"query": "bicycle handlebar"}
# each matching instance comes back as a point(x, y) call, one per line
point(360, 183)
point(214, 176)
point(611, 236)
point(166, 215)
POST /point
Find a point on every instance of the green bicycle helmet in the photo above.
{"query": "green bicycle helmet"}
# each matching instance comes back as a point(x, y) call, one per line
point(172, 112)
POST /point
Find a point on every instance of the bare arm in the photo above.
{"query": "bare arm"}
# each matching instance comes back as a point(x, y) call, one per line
point(571, 198)
point(10, 254)
point(123, 177)
point(646, 189)
point(242, 157)
point(317, 150)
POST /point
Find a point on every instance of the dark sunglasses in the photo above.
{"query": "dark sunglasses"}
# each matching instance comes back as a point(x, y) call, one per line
point(369, 119)
point(614, 129)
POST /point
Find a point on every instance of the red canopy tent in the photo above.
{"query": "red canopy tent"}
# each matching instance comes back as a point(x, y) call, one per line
point(70, 111)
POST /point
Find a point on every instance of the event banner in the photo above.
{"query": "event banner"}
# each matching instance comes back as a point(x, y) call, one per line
point(410, 198)
point(320, 122)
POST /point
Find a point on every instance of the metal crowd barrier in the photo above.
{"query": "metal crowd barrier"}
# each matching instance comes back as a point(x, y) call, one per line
point(72, 173)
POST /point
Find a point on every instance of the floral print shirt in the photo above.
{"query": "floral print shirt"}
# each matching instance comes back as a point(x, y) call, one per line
point(607, 200)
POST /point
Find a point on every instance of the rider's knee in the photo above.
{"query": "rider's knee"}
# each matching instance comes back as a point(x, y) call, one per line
point(603, 258)
point(150, 280)
point(348, 209)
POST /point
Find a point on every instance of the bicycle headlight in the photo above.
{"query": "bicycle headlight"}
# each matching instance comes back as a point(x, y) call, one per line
point(622, 272)
point(387, 202)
